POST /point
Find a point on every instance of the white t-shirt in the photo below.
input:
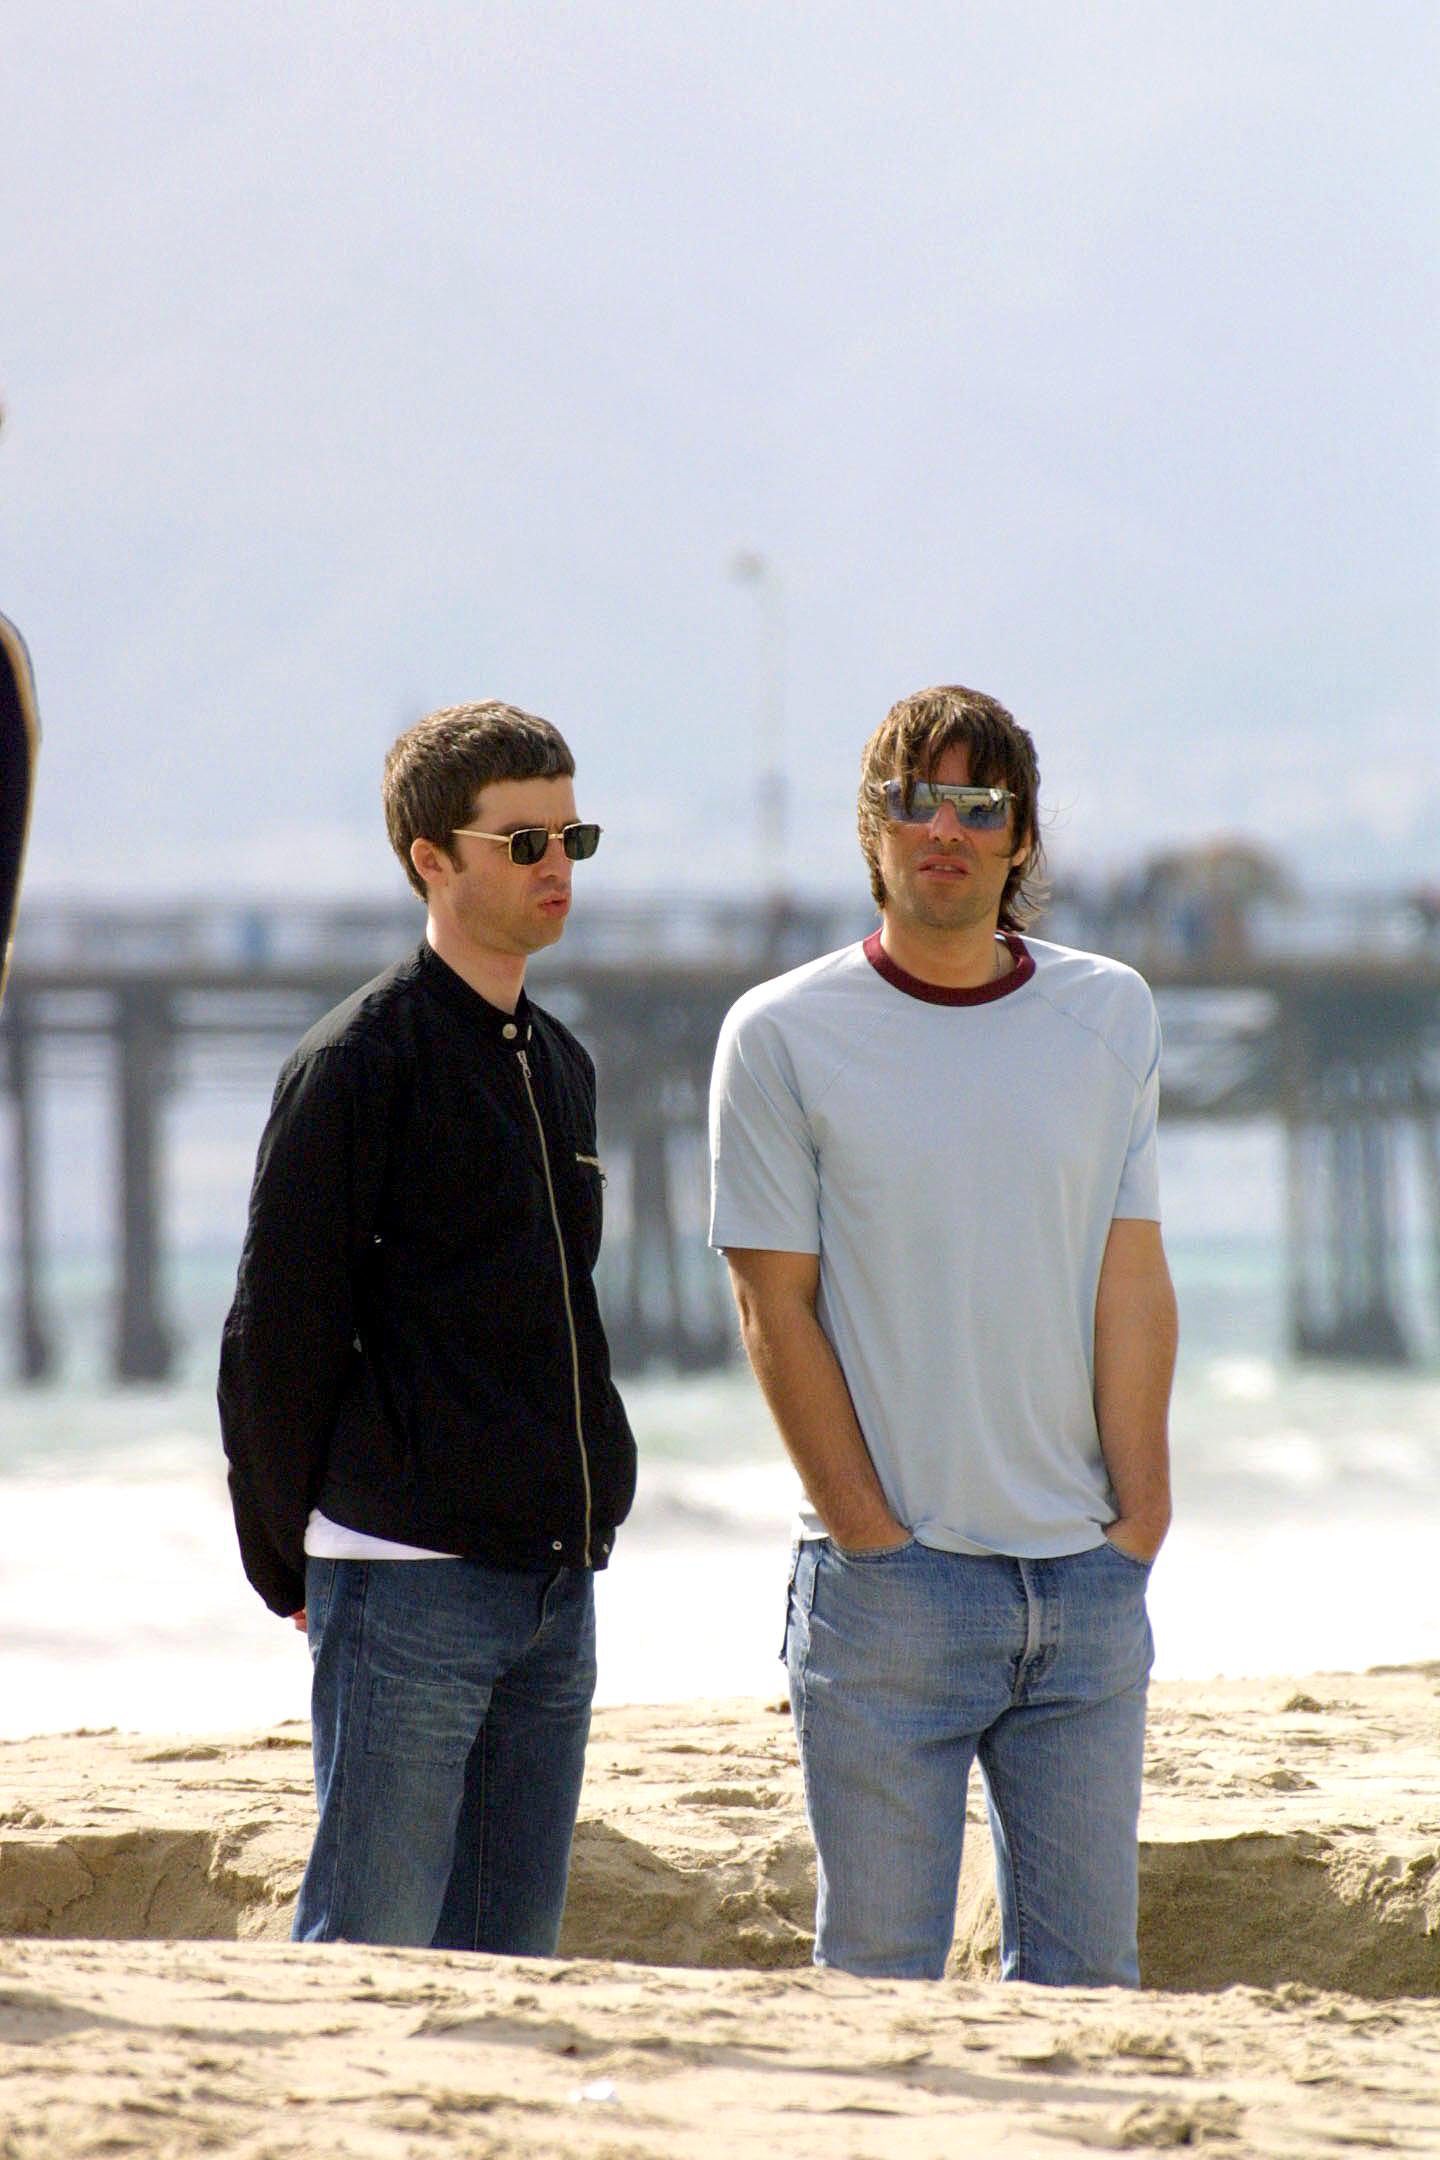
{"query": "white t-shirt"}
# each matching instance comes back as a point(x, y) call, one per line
point(326, 1540)
point(956, 1159)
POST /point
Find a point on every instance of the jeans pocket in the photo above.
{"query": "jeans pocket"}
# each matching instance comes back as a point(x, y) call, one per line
point(795, 1552)
point(419, 1720)
point(1143, 1566)
point(872, 1555)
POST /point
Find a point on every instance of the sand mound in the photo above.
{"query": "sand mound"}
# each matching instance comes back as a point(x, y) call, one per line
point(1258, 1910)
point(629, 1902)
point(147, 1885)
point(692, 1852)
point(1265, 1909)
point(1291, 1842)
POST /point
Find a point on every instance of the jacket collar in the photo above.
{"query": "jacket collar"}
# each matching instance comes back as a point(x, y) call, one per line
point(491, 1021)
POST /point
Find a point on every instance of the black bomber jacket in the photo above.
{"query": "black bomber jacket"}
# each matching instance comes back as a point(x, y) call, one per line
point(415, 1346)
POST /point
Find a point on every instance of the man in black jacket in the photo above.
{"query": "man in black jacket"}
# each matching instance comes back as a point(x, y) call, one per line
point(427, 1457)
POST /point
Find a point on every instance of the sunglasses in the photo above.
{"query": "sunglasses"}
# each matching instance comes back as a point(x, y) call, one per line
point(979, 809)
point(528, 845)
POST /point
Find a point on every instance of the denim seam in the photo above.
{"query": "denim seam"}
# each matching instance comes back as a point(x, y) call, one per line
point(486, 1829)
point(338, 1842)
point(802, 1670)
point(1016, 1878)
point(789, 1601)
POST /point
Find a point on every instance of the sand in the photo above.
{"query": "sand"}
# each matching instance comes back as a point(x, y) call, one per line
point(1290, 1948)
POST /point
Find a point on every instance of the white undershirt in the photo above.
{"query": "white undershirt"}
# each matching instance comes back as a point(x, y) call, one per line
point(326, 1540)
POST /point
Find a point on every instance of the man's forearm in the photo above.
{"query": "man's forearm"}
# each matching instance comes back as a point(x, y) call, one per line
point(1136, 1333)
point(801, 1381)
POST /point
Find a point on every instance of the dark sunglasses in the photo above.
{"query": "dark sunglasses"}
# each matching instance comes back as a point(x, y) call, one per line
point(979, 809)
point(528, 845)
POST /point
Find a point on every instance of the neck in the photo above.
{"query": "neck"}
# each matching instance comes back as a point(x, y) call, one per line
point(965, 958)
point(497, 977)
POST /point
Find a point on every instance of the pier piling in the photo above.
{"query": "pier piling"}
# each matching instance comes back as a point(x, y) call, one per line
point(144, 1343)
point(35, 1354)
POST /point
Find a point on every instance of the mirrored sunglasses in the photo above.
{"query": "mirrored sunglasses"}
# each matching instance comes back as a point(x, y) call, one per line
point(979, 809)
point(528, 845)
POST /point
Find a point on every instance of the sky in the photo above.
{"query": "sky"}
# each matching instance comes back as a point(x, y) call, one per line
point(361, 359)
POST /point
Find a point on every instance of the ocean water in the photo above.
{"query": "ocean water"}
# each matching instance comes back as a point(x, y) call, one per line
point(1307, 1518)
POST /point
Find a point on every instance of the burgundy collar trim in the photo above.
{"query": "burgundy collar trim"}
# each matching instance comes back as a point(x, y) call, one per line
point(934, 993)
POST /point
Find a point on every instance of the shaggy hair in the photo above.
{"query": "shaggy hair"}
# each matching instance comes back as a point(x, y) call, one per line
point(910, 741)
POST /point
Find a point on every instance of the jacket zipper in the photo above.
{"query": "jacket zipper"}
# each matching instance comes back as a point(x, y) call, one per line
point(565, 1289)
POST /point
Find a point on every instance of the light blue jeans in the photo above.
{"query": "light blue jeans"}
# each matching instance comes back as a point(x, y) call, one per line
point(450, 1710)
point(906, 1666)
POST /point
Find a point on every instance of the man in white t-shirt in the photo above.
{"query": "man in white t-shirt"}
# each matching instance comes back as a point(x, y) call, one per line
point(935, 1186)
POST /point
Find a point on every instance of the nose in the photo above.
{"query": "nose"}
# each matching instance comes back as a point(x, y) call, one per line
point(946, 825)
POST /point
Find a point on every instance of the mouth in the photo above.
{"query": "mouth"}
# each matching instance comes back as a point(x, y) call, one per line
point(944, 866)
point(555, 904)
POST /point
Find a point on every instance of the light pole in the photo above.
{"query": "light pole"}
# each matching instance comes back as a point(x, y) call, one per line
point(771, 806)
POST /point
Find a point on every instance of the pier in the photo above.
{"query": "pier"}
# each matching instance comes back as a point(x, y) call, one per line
point(1327, 1021)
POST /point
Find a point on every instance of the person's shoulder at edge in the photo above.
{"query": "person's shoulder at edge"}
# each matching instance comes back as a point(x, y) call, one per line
point(837, 973)
point(359, 1037)
point(1069, 970)
point(366, 1018)
point(1097, 992)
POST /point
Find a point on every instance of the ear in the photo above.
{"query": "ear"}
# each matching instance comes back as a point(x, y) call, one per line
point(431, 862)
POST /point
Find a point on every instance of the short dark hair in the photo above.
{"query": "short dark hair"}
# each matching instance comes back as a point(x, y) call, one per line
point(436, 769)
point(906, 746)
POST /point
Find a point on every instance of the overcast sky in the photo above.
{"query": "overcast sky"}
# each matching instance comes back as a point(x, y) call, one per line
point(361, 358)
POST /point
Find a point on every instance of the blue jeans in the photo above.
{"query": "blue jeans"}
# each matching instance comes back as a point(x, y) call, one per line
point(906, 1666)
point(450, 1710)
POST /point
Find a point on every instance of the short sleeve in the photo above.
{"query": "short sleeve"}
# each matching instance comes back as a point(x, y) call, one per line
point(1138, 1198)
point(765, 1175)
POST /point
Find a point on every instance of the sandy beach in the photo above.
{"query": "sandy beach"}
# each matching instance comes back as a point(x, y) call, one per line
point(1290, 1946)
